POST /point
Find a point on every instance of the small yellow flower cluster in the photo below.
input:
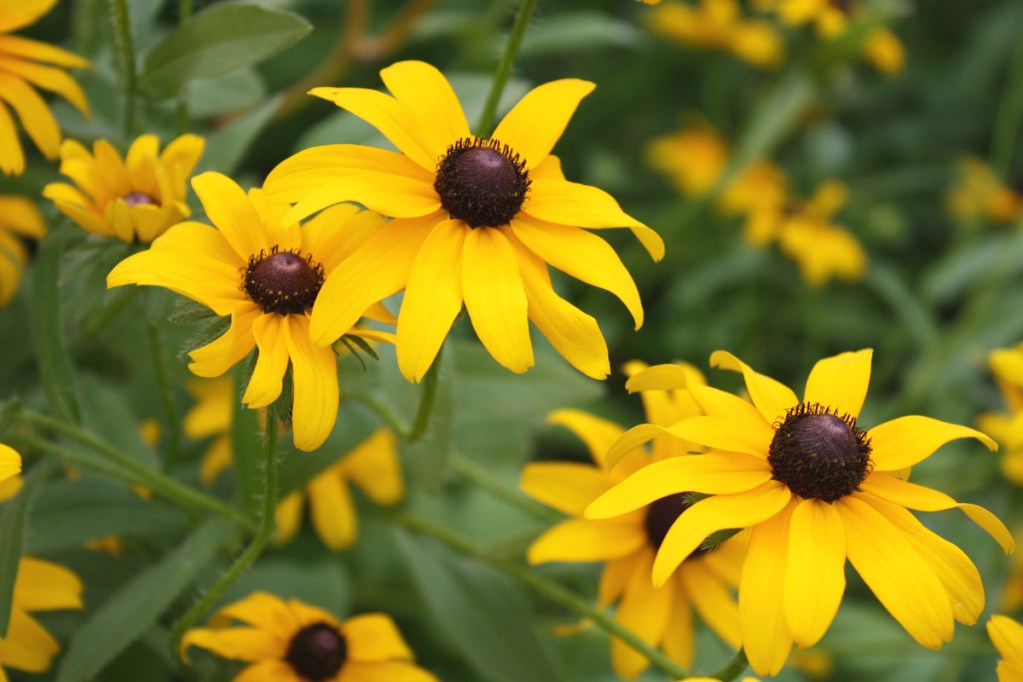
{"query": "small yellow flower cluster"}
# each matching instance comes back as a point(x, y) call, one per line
point(979, 194)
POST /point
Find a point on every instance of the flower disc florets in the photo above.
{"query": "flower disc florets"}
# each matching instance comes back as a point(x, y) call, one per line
point(283, 282)
point(139, 199)
point(481, 182)
point(819, 454)
point(317, 652)
point(661, 515)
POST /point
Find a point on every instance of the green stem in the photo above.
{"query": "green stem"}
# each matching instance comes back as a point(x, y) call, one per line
point(511, 51)
point(482, 478)
point(184, 14)
point(377, 406)
point(126, 56)
point(427, 400)
point(163, 387)
point(251, 553)
point(1010, 111)
point(545, 587)
point(126, 467)
point(734, 668)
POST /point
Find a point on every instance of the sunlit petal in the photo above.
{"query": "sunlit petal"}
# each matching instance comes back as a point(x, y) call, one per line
point(906, 441)
point(814, 571)
point(840, 382)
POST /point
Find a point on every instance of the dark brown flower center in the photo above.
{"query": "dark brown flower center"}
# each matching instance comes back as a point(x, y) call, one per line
point(283, 282)
point(661, 516)
point(139, 199)
point(317, 652)
point(481, 182)
point(818, 454)
point(843, 6)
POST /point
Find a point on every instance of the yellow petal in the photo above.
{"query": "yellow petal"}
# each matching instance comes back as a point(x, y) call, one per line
point(431, 103)
point(10, 462)
point(815, 570)
point(1007, 636)
point(45, 586)
point(771, 397)
point(333, 511)
point(896, 573)
point(536, 123)
point(38, 51)
point(840, 382)
point(746, 416)
point(267, 378)
point(906, 441)
point(228, 207)
point(263, 611)
point(680, 637)
point(216, 460)
point(586, 540)
point(269, 670)
point(229, 348)
point(433, 297)
point(23, 13)
point(288, 517)
point(12, 158)
point(627, 443)
point(33, 113)
point(657, 378)
point(599, 434)
point(336, 233)
point(384, 671)
point(566, 486)
point(645, 611)
point(715, 513)
point(765, 633)
point(712, 599)
point(374, 466)
point(495, 298)
point(47, 78)
point(316, 388)
point(720, 433)
point(374, 637)
point(239, 644)
point(991, 524)
point(27, 646)
point(906, 494)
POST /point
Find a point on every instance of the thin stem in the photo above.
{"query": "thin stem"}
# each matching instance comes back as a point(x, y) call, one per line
point(381, 410)
point(427, 400)
point(126, 56)
point(482, 478)
point(545, 587)
point(163, 387)
point(251, 553)
point(1010, 111)
point(184, 14)
point(511, 51)
point(734, 667)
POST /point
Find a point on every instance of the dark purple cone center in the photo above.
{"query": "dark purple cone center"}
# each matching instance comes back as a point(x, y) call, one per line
point(481, 182)
point(660, 516)
point(317, 652)
point(818, 454)
point(282, 282)
point(139, 199)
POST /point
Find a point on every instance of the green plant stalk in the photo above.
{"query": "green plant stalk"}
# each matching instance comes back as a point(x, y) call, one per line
point(124, 466)
point(427, 400)
point(1010, 111)
point(170, 410)
point(511, 51)
point(545, 587)
point(479, 476)
point(734, 668)
point(251, 553)
point(184, 14)
point(126, 56)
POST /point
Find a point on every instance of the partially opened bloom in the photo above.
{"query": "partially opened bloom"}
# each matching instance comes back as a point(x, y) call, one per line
point(815, 488)
point(40, 586)
point(372, 466)
point(19, 220)
point(265, 274)
point(477, 220)
point(135, 198)
point(705, 581)
point(719, 25)
point(27, 66)
point(1007, 636)
point(289, 641)
point(978, 193)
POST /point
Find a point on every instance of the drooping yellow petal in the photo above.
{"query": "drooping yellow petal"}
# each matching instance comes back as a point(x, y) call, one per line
point(771, 397)
point(333, 511)
point(229, 348)
point(495, 298)
point(374, 637)
point(765, 633)
point(27, 645)
point(906, 494)
point(374, 466)
point(288, 517)
point(712, 599)
point(896, 573)
point(239, 644)
point(39, 51)
point(435, 111)
point(267, 378)
point(906, 441)
point(635, 437)
point(680, 637)
point(565, 486)
point(33, 112)
point(433, 297)
point(840, 382)
point(599, 434)
point(814, 571)
point(10, 462)
point(12, 158)
point(644, 610)
point(1007, 636)
point(586, 540)
point(536, 123)
point(616, 576)
point(228, 207)
point(991, 524)
point(22, 13)
point(45, 586)
point(715, 513)
point(316, 388)
point(46, 78)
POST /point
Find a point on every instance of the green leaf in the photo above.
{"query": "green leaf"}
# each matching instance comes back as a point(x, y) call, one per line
point(226, 147)
point(222, 38)
point(47, 330)
point(127, 615)
point(9, 411)
point(481, 612)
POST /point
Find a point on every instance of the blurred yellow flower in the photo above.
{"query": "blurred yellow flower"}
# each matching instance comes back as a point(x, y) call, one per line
point(19, 219)
point(289, 641)
point(373, 466)
point(885, 51)
point(477, 228)
point(693, 158)
point(135, 198)
point(1006, 427)
point(760, 194)
point(719, 25)
point(25, 66)
point(1007, 636)
point(705, 581)
point(40, 586)
point(817, 490)
point(978, 193)
point(211, 416)
point(820, 248)
point(10, 462)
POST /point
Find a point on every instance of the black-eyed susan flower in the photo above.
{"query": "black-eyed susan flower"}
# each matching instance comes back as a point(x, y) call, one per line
point(40, 586)
point(266, 275)
point(978, 193)
point(816, 488)
point(19, 220)
point(289, 641)
point(135, 198)
point(1007, 636)
point(372, 466)
point(476, 222)
point(719, 25)
point(27, 66)
point(705, 581)
point(1006, 427)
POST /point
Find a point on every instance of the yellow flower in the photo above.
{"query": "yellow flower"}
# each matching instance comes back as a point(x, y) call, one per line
point(135, 198)
point(476, 221)
point(719, 25)
point(815, 488)
point(288, 641)
point(660, 616)
point(1007, 636)
point(694, 158)
point(979, 193)
point(211, 416)
point(25, 66)
point(40, 586)
point(373, 466)
point(19, 218)
point(821, 249)
point(266, 274)
point(1006, 365)
point(885, 51)
point(10, 462)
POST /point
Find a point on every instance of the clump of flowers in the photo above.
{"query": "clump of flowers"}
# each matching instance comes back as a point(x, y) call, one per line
point(719, 25)
point(979, 194)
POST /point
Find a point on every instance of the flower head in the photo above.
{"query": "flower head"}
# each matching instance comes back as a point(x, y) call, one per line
point(820, 248)
point(19, 219)
point(27, 66)
point(719, 25)
point(979, 193)
point(815, 487)
point(289, 641)
point(373, 466)
point(693, 158)
point(266, 275)
point(40, 586)
point(1006, 427)
point(133, 199)
point(1007, 636)
point(661, 616)
point(476, 221)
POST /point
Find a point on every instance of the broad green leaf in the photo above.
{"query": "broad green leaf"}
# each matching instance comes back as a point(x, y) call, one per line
point(246, 452)
point(108, 416)
point(218, 40)
point(48, 331)
point(127, 615)
point(578, 32)
point(237, 91)
point(226, 147)
point(354, 424)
